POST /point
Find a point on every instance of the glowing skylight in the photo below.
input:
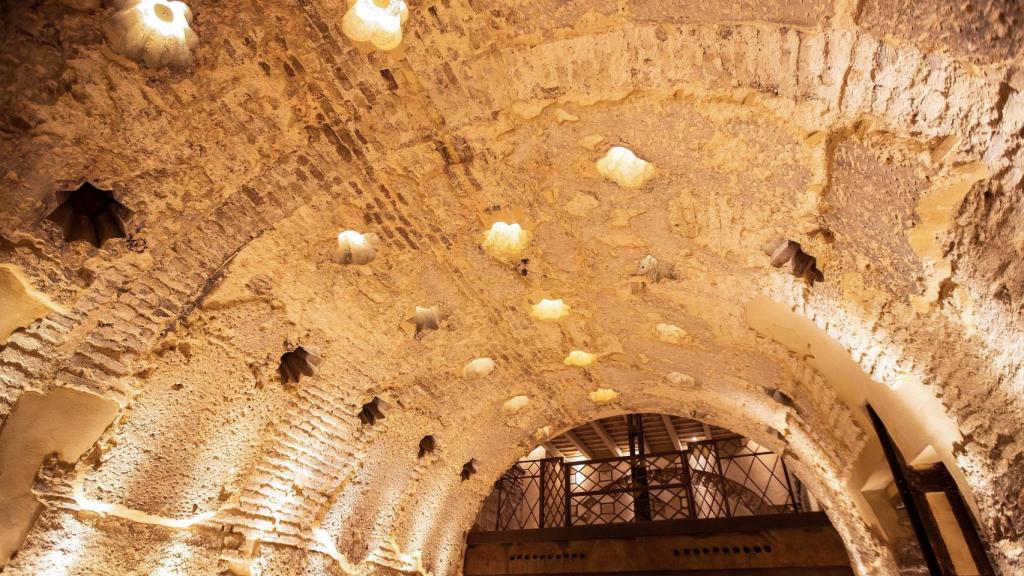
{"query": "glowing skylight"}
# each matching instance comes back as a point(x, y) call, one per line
point(548, 309)
point(515, 404)
point(579, 358)
point(478, 368)
point(156, 32)
point(624, 168)
point(505, 241)
point(378, 22)
point(603, 395)
point(356, 248)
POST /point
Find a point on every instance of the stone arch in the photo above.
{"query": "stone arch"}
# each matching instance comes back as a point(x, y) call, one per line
point(835, 77)
point(442, 541)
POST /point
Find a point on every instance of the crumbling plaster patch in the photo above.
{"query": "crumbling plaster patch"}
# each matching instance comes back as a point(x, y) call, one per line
point(63, 422)
point(21, 304)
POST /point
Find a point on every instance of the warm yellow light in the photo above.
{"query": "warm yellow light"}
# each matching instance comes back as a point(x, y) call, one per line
point(378, 22)
point(624, 168)
point(356, 248)
point(515, 404)
point(580, 358)
point(505, 241)
point(550, 309)
point(603, 395)
point(164, 18)
point(478, 368)
point(157, 32)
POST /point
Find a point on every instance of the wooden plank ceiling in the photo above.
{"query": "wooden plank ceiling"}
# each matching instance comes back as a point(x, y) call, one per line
point(609, 437)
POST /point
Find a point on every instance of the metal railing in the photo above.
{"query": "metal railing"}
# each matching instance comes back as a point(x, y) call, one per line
point(711, 479)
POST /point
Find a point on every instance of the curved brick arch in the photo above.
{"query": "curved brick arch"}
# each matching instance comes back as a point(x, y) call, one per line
point(834, 77)
point(444, 536)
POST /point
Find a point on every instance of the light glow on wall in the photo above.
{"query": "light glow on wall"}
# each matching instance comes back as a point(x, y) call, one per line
point(378, 22)
point(548, 309)
point(622, 166)
point(505, 241)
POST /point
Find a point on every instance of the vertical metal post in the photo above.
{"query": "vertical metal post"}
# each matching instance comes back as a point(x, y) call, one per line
point(566, 468)
point(898, 466)
point(497, 519)
point(638, 468)
point(969, 528)
point(543, 482)
point(721, 480)
point(789, 484)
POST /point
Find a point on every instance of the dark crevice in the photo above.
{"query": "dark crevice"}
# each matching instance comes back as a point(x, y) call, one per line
point(89, 214)
point(296, 364)
point(427, 445)
point(372, 411)
point(788, 254)
point(468, 469)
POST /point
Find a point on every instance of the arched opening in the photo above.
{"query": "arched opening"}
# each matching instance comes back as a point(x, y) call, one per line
point(667, 494)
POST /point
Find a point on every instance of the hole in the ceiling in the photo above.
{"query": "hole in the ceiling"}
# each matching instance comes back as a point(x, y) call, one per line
point(579, 358)
point(296, 364)
point(478, 368)
point(155, 32)
point(548, 309)
point(378, 22)
point(780, 397)
point(622, 166)
point(515, 404)
point(427, 445)
point(655, 269)
point(372, 411)
point(468, 469)
point(426, 319)
point(505, 241)
point(603, 395)
point(356, 248)
point(89, 214)
point(789, 254)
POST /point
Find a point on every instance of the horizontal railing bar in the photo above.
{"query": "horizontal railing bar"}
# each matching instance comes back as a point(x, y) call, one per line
point(657, 488)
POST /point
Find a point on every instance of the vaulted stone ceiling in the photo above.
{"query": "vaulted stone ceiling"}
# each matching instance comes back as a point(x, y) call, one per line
point(884, 137)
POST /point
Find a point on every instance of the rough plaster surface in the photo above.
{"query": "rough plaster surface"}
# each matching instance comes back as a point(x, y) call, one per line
point(824, 123)
point(64, 423)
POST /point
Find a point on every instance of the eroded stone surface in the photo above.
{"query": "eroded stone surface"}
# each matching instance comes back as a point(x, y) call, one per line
point(788, 119)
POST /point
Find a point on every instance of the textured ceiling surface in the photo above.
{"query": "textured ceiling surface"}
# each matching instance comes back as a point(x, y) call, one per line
point(884, 137)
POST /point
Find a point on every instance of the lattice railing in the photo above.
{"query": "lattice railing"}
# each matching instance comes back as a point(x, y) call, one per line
point(712, 479)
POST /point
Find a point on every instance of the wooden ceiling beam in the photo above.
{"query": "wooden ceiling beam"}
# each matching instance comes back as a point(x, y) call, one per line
point(666, 420)
point(606, 438)
point(580, 445)
point(552, 451)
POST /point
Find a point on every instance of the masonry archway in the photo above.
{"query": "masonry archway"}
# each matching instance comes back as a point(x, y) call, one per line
point(285, 186)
